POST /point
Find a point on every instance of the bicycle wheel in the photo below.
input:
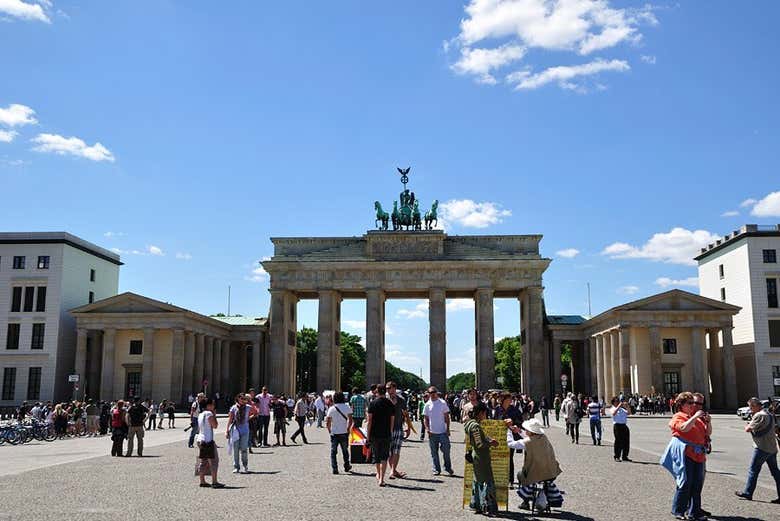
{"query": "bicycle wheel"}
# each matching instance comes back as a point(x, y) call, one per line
point(49, 434)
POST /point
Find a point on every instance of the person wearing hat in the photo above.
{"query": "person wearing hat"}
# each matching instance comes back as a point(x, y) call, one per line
point(539, 466)
point(483, 487)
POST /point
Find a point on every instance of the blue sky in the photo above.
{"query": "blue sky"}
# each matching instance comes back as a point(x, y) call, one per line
point(185, 134)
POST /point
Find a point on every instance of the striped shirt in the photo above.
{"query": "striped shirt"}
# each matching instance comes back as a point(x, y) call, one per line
point(358, 404)
point(594, 410)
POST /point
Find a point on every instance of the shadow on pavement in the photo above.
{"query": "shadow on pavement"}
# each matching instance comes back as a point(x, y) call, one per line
point(735, 518)
point(416, 489)
point(568, 516)
point(269, 472)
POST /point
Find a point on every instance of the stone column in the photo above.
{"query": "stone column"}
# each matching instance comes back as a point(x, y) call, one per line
point(539, 384)
point(80, 367)
point(590, 349)
point(200, 358)
point(599, 387)
point(486, 358)
point(606, 353)
point(614, 360)
point(94, 364)
point(329, 341)
point(257, 375)
point(716, 370)
point(189, 365)
point(556, 361)
point(283, 339)
point(147, 370)
point(437, 336)
point(208, 363)
point(107, 371)
point(624, 349)
point(375, 336)
point(656, 368)
point(224, 380)
point(729, 370)
point(697, 361)
point(216, 367)
point(177, 366)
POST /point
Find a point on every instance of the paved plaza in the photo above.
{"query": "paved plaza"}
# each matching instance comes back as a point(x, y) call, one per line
point(74, 479)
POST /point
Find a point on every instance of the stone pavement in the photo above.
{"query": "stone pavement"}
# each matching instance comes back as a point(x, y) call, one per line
point(295, 482)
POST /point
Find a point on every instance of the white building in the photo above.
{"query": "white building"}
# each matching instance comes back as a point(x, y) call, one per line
point(742, 269)
point(43, 275)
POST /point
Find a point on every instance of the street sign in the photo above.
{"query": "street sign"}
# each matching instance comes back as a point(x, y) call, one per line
point(564, 378)
point(76, 387)
point(205, 382)
point(73, 378)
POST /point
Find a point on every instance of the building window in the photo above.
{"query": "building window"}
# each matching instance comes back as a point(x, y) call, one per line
point(770, 256)
point(136, 347)
point(723, 294)
point(774, 333)
point(671, 382)
point(34, 383)
point(92, 275)
point(670, 346)
point(29, 298)
point(771, 293)
point(9, 383)
point(776, 378)
point(133, 384)
point(43, 262)
point(720, 270)
point(38, 332)
point(16, 299)
point(19, 262)
point(12, 338)
point(40, 300)
point(91, 297)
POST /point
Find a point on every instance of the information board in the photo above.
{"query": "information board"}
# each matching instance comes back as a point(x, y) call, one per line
point(499, 460)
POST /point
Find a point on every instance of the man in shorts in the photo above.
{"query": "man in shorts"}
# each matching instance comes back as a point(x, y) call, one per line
point(279, 410)
point(381, 416)
point(400, 429)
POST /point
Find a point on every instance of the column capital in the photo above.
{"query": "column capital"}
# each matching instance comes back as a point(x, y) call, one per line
point(82, 331)
point(109, 331)
point(534, 290)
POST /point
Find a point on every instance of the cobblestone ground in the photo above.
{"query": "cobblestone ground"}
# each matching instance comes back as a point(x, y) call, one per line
point(295, 482)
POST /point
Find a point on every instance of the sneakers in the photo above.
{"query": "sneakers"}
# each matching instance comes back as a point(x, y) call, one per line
point(335, 471)
point(437, 473)
point(742, 495)
point(347, 467)
point(451, 472)
point(217, 485)
point(246, 470)
point(236, 471)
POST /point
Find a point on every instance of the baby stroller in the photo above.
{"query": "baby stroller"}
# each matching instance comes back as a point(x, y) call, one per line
point(541, 496)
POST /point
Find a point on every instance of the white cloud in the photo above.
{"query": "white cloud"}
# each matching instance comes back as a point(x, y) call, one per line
point(730, 213)
point(568, 253)
point(26, 11)
point(354, 325)
point(471, 214)
point(71, 146)
point(563, 74)
point(769, 206)
point(6, 136)
point(748, 202)
point(648, 59)
point(507, 30)
point(666, 282)
point(114, 234)
point(678, 246)
point(460, 304)
point(628, 290)
point(395, 355)
point(480, 62)
point(419, 311)
point(129, 252)
point(155, 250)
point(183, 256)
point(16, 115)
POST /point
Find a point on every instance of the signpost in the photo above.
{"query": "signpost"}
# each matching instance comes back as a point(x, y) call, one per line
point(564, 381)
point(74, 379)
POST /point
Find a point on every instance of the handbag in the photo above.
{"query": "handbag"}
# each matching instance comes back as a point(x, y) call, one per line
point(206, 450)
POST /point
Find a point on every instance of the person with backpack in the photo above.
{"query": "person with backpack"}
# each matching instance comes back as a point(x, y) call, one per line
point(762, 428)
point(301, 408)
point(339, 421)
point(118, 428)
point(573, 413)
point(136, 415)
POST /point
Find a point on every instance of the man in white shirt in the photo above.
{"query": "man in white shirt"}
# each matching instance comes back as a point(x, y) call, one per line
point(620, 412)
point(437, 423)
point(339, 422)
point(319, 405)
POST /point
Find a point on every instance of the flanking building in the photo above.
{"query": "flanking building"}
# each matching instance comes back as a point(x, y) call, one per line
point(42, 277)
point(742, 269)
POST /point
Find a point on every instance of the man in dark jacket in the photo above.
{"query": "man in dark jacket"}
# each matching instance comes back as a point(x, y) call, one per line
point(136, 418)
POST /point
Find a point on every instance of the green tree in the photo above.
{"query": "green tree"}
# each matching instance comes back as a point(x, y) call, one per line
point(508, 361)
point(459, 382)
point(353, 362)
point(306, 370)
point(404, 379)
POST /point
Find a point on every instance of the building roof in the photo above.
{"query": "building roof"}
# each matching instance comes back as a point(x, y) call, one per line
point(242, 321)
point(747, 230)
point(59, 238)
point(565, 320)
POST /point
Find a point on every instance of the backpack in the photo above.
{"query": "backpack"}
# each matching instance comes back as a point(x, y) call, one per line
point(137, 414)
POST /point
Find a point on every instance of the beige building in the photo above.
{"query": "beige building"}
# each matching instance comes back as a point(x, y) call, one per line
point(665, 343)
point(130, 345)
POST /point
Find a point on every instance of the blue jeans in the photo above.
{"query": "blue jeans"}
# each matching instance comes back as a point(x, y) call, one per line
point(687, 499)
point(759, 458)
point(241, 445)
point(595, 430)
point(436, 442)
point(193, 431)
point(336, 441)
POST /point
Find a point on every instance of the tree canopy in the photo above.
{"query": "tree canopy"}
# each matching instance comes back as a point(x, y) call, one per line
point(461, 381)
point(508, 354)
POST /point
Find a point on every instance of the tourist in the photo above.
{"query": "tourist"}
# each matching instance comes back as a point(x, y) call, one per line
point(319, 405)
point(339, 421)
point(153, 416)
point(685, 456)
point(136, 416)
point(400, 420)
point(381, 415)
point(170, 410)
point(118, 428)
point(195, 410)
point(540, 467)
point(290, 405)
point(564, 407)
point(238, 433)
point(545, 410)
point(421, 415)
point(254, 439)
point(279, 409)
point(619, 412)
point(483, 488)
point(301, 407)
point(358, 405)
point(762, 428)
point(161, 417)
point(437, 423)
point(92, 418)
point(572, 411)
point(60, 420)
point(208, 457)
point(264, 416)
point(511, 415)
point(473, 400)
point(594, 415)
point(105, 417)
point(557, 407)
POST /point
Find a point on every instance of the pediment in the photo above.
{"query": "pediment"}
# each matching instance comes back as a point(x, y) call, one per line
point(677, 300)
point(127, 303)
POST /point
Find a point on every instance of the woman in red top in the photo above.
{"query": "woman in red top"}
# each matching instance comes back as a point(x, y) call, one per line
point(691, 425)
point(118, 428)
